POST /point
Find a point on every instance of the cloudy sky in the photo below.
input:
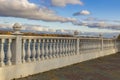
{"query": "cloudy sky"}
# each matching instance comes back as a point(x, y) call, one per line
point(82, 15)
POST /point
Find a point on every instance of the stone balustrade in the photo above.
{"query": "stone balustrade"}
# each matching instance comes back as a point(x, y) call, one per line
point(27, 55)
point(35, 48)
point(43, 48)
point(6, 49)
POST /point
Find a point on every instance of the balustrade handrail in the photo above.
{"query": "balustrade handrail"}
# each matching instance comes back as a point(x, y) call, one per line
point(46, 37)
point(7, 36)
point(50, 37)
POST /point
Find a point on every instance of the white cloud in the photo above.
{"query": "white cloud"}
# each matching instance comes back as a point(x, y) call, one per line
point(63, 3)
point(90, 19)
point(25, 9)
point(98, 24)
point(5, 26)
point(83, 12)
point(25, 27)
point(36, 29)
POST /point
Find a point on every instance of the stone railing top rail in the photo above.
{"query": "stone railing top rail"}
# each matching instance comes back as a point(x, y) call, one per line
point(7, 36)
point(39, 37)
point(48, 37)
point(109, 38)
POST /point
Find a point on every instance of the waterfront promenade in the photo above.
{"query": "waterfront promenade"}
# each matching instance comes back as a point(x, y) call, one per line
point(104, 68)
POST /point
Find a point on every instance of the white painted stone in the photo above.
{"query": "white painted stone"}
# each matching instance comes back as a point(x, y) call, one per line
point(23, 51)
point(2, 54)
point(9, 55)
point(82, 48)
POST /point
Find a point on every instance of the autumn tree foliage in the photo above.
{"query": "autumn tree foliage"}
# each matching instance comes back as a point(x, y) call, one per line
point(35, 34)
point(5, 32)
point(52, 35)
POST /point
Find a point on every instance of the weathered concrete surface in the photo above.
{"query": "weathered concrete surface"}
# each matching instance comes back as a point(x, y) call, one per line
point(105, 68)
point(26, 69)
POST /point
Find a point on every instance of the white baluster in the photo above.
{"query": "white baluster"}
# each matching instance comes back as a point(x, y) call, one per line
point(95, 44)
point(38, 50)
point(88, 41)
point(57, 48)
point(66, 47)
point(54, 48)
point(82, 42)
point(110, 44)
point(46, 49)
point(74, 47)
point(113, 44)
point(23, 51)
point(91, 45)
point(88, 46)
point(107, 44)
point(80, 46)
point(43, 50)
point(51, 48)
point(70, 47)
point(33, 50)
point(98, 45)
point(60, 52)
point(63, 48)
point(2, 54)
point(9, 55)
point(29, 51)
point(85, 46)
point(69, 52)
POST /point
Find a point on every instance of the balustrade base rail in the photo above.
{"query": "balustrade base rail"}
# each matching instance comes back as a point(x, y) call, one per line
point(26, 69)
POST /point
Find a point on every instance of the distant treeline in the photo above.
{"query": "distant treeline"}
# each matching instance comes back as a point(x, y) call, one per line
point(5, 32)
point(53, 35)
point(35, 34)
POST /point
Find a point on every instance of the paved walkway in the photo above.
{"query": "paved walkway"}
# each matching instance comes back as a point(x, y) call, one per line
point(105, 68)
